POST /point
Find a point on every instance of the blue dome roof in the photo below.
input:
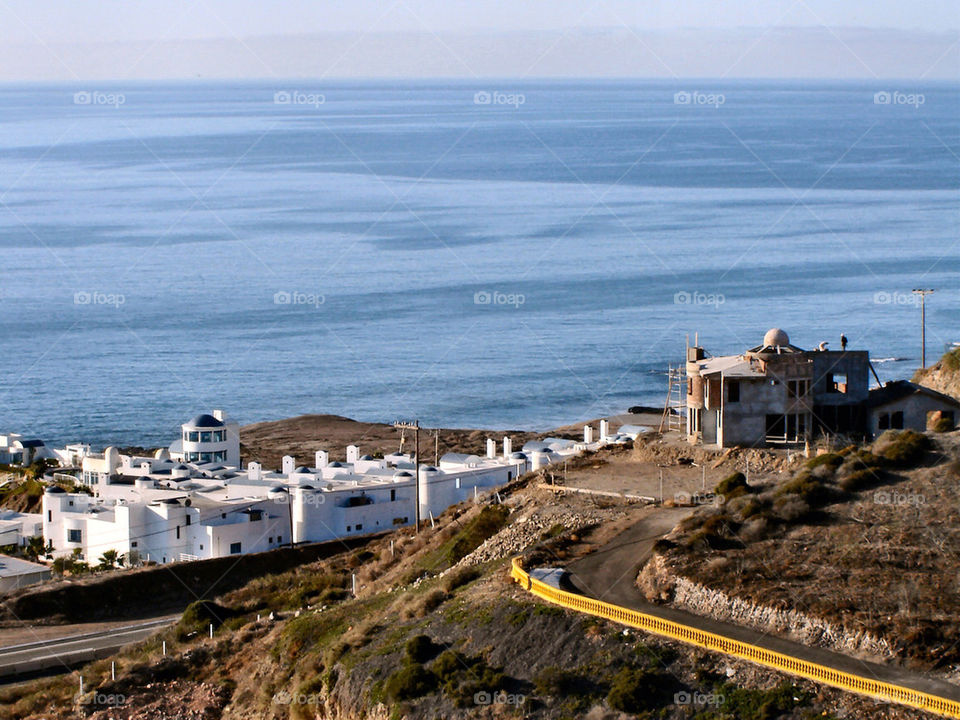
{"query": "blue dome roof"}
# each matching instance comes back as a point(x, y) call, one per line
point(204, 421)
point(302, 469)
point(54, 490)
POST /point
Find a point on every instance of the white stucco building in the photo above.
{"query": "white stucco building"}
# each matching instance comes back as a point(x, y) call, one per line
point(191, 502)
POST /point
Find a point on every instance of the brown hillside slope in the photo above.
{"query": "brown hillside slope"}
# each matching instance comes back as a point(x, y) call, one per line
point(943, 376)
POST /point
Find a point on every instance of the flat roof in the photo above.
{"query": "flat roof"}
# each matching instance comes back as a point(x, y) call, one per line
point(12, 567)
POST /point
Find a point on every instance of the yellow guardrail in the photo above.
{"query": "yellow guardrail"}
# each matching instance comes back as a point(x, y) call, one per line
point(745, 651)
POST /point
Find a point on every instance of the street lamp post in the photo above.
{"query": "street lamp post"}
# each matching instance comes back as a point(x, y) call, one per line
point(922, 292)
point(415, 426)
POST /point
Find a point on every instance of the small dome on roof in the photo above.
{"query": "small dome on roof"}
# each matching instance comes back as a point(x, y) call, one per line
point(305, 486)
point(55, 490)
point(775, 337)
point(402, 474)
point(518, 456)
point(367, 457)
point(428, 468)
point(171, 501)
point(204, 421)
point(335, 463)
point(278, 489)
point(302, 469)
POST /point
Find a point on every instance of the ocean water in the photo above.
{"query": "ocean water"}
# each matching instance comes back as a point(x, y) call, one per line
point(490, 254)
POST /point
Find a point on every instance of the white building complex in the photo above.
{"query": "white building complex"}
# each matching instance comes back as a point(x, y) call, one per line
point(195, 501)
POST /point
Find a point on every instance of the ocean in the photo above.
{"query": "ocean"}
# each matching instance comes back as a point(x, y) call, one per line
point(494, 254)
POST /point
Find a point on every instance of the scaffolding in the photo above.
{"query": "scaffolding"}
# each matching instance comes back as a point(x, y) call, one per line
point(675, 407)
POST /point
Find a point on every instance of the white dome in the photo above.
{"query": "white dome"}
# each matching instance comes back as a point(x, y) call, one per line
point(775, 337)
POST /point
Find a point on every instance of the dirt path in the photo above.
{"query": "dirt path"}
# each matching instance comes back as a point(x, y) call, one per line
point(609, 573)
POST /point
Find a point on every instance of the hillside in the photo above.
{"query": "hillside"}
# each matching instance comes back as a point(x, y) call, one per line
point(302, 436)
point(438, 629)
point(855, 550)
point(943, 376)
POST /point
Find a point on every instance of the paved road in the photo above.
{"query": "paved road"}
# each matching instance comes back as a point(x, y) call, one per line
point(609, 574)
point(60, 654)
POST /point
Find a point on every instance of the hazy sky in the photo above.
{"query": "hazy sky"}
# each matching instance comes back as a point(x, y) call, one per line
point(77, 39)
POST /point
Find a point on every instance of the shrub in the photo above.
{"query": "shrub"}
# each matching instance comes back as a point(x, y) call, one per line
point(556, 681)
point(859, 480)
point(943, 425)
point(459, 578)
point(487, 524)
point(901, 448)
point(198, 617)
point(733, 486)
point(745, 507)
point(755, 529)
point(831, 460)
point(420, 648)
point(791, 508)
point(807, 488)
point(449, 664)
point(333, 595)
point(633, 690)
point(463, 677)
point(409, 682)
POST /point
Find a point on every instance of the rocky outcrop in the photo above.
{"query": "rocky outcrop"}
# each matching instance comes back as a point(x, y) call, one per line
point(659, 583)
point(525, 531)
point(943, 376)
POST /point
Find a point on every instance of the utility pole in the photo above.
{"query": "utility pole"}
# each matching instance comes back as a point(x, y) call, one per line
point(923, 292)
point(415, 426)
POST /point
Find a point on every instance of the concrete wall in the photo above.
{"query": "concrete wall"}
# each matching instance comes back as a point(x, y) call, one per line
point(914, 408)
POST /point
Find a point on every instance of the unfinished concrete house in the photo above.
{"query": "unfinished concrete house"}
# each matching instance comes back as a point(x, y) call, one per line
point(775, 394)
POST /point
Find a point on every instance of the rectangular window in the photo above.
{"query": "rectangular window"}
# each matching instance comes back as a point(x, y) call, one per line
point(49, 515)
point(896, 420)
point(458, 483)
point(235, 548)
point(359, 526)
point(178, 532)
point(279, 538)
point(74, 536)
point(187, 520)
point(883, 421)
point(798, 388)
point(733, 391)
point(133, 543)
point(393, 495)
point(836, 382)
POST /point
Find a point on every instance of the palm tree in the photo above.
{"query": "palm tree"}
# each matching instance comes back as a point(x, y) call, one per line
point(108, 560)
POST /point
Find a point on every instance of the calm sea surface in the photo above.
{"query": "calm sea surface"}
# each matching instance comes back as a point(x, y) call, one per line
point(493, 254)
